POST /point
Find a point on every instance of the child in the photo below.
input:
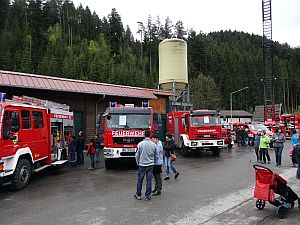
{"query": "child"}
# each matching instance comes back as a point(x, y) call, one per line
point(91, 151)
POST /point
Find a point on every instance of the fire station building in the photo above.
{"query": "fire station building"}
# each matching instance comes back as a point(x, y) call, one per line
point(86, 99)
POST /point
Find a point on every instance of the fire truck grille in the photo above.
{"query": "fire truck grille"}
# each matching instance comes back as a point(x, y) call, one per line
point(207, 136)
point(127, 153)
point(127, 140)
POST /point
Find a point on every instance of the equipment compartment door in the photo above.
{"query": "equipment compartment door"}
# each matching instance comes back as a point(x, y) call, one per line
point(40, 143)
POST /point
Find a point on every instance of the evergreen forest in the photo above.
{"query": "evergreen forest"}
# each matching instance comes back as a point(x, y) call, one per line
point(56, 38)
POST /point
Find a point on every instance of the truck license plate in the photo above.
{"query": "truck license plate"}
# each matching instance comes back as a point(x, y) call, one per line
point(128, 150)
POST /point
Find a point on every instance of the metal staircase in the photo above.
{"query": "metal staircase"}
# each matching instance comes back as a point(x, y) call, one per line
point(268, 79)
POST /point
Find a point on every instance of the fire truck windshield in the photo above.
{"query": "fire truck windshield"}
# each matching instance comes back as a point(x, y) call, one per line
point(258, 127)
point(197, 121)
point(128, 122)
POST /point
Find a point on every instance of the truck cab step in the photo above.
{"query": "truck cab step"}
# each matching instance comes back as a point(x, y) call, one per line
point(59, 162)
point(40, 168)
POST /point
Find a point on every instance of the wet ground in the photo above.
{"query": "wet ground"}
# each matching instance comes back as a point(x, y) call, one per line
point(208, 190)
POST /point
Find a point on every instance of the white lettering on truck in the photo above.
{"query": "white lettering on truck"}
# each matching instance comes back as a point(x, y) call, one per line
point(128, 133)
point(206, 131)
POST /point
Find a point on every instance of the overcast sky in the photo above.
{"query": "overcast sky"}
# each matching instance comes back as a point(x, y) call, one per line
point(208, 15)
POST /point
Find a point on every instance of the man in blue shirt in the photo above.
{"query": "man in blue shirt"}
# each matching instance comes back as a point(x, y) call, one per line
point(157, 165)
point(145, 157)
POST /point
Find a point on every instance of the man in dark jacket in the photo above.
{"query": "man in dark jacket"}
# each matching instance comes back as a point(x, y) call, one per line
point(73, 151)
point(297, 154)
point(80, 148)
point(168, 150)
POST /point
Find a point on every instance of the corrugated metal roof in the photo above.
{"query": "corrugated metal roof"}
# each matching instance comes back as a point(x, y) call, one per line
point(24, 80)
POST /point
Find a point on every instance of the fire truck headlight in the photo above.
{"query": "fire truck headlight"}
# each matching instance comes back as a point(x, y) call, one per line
point(108, 152)
point(220, 142)
point(193, 143)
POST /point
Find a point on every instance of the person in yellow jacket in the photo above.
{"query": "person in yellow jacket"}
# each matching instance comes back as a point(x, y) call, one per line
point(263, 147)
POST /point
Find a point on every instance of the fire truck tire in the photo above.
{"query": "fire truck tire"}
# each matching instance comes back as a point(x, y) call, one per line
point(22, 174)
point(109, 164)
point(216, 151)
point(184, 150)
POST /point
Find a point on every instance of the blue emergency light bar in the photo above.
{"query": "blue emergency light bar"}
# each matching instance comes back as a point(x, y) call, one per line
point(113, 104)
point(2, 96)
point(145, 104)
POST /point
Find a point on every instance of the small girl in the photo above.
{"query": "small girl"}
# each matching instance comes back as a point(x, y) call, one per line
point(91, 151)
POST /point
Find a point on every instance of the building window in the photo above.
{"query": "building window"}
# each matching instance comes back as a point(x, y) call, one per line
point(37, 120)
point(26, 121)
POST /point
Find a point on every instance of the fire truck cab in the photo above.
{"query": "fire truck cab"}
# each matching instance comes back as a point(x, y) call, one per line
point(124, 128)
point(28, 142)
point(196, 130)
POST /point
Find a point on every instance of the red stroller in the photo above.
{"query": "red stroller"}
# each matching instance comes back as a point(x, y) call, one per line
point(267, 185)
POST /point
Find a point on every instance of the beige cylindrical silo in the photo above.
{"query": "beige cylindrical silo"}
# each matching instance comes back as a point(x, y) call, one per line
point(173, 65)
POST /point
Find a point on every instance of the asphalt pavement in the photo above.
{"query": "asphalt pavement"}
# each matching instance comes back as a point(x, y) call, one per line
point(209, 190)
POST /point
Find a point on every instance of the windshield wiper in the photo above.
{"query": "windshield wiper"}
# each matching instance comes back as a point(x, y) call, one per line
point(127, 128)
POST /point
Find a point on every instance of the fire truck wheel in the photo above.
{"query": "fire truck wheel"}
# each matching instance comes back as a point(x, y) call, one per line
point(184, 150)
point(216, 151)
point(109, 164)
point(21, 175)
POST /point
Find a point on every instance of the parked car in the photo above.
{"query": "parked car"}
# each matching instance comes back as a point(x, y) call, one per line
point(252, 129)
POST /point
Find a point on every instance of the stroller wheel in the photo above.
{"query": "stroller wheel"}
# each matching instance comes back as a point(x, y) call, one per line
point(260, 204)
point(281, 211)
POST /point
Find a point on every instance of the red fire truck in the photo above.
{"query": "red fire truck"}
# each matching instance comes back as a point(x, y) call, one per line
point(196, 130)
point(32, 138)
point(289, 122)
point(124, 128)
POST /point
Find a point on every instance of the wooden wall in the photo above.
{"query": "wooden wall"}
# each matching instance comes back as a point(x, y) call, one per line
point(159, 105)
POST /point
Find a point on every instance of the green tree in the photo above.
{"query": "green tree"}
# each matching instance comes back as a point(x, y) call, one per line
point(180, 31)
point(36, 28)
point(167, 31)
point(4, 10)
point(116, 32)
point(204, 93)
